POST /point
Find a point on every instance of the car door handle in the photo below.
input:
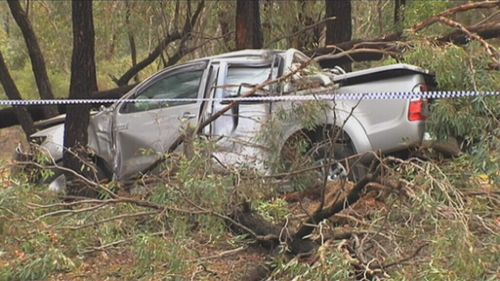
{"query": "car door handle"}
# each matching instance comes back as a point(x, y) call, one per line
point(120, 127)
point(188, 115)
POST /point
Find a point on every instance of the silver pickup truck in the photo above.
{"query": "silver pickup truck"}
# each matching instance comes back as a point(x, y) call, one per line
point(124, 134)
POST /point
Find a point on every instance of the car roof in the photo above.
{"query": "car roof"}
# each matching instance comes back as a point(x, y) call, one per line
point(243, 53)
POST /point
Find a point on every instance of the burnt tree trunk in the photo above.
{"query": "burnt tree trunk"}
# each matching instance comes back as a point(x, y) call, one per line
point(35, 54)
point(340, 29)
point(10, 88)
point(399, 13)
point(248, 27)
point(131, 38)
point(83, 82)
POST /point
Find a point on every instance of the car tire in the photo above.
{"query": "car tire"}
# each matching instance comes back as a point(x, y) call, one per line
point(342, 166)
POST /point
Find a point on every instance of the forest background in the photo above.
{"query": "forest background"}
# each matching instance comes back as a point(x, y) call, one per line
point(436, 219)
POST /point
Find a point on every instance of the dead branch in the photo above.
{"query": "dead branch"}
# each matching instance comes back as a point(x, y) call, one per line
point(70, 211)
point(177, 35)
point(354, 194)
point(403, 260)
point(308, 27)
point(221, 254)
point(119, 217)
point(114, 243)
point(258, 228)
point(118, 200)
point(362, 54)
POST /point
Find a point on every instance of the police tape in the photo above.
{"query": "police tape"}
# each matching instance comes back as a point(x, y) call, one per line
point(259, 98)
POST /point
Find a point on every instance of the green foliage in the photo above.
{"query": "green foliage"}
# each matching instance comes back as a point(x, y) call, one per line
point(473, 121)
point(459, 233)
point(331, 265)
point(38, 267)
point(274, 211)
point(417, 11)
point(155, 253)
point(39, 242)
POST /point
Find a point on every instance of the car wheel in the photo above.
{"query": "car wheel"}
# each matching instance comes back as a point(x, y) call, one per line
point(337, 161)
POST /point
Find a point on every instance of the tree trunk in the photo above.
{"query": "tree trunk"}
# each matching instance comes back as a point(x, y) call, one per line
point(305, 40)
point(10, 88)
point(36, 56)
point(131, 38)
point(340, 29)
point(248, 27)
point(398, 13)
point(6, 24)
point(83, 82)
point(224, 24)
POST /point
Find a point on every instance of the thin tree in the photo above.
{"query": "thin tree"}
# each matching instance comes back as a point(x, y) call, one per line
point(248, 27)
point(131, 38)
point(398, 12)
point(340, 29)
point(10, 88)
point(35, 54)
point(83, 82)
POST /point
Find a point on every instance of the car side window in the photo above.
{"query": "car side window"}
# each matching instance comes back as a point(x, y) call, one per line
point(246, 77)
point(177, 85)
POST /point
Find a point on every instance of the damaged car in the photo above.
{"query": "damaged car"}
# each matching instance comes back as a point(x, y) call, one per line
point(119, 135)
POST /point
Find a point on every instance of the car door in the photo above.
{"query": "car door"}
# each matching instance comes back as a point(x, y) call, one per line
point(145, 129)
point(236, 78)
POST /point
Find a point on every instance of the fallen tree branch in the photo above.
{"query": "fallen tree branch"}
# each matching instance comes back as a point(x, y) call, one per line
point(395, 44)
point(389, 42)
point(354, 194)
point(489, 49)
point(403, 260)
point(485, 31)
point(118, 217)
point(462, 8)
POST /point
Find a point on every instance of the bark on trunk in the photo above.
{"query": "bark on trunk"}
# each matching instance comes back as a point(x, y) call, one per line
point(10, 88)
point(83, 83)
point(248, 27)
point(131, 39)
point(399, 12)
point(340, 29)
point(35, 54)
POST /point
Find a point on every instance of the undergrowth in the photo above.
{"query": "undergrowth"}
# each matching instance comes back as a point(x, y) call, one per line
point(449, 217)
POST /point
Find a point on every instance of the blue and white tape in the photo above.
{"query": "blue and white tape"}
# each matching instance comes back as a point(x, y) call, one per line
point(307, 97)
